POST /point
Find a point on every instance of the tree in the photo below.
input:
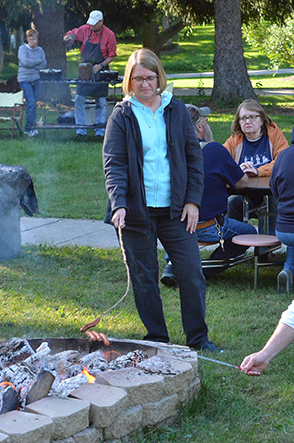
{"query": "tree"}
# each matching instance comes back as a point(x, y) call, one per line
point(231, 79)
point(275, 40)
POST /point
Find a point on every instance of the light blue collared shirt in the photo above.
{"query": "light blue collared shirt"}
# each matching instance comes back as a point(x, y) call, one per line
point(156, 169)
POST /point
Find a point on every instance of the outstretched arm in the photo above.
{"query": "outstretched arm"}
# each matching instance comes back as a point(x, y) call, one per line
point(282, 337)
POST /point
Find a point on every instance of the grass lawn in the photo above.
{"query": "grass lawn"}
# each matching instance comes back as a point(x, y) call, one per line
point(50, 291)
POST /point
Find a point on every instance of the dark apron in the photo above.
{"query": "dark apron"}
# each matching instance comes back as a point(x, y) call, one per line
point(92, 54)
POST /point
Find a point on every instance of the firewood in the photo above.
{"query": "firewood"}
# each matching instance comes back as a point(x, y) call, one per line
point(14, 351)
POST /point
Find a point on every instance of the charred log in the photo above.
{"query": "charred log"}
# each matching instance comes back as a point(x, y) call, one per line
point(14, 351)
point(9, 399)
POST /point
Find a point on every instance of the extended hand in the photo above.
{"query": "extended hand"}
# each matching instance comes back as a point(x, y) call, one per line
point(254, 364)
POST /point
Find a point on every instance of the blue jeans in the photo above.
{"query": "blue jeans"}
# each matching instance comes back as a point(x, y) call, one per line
point(31, 92)
point(182, 247)
point(288, 239)
point(229, 229)
point(80, 113)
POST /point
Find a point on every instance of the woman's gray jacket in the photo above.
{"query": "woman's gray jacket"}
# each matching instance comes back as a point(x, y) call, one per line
point(123, 163)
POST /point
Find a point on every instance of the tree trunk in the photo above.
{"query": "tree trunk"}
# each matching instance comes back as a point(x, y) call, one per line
point(231, 79)
point(154, 40)
point(50, 24)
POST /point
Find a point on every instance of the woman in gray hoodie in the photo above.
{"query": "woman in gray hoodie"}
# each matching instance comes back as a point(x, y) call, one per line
point(31, 59)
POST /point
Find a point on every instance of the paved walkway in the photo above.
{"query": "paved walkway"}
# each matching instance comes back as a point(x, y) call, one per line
point(61, 232)
point(211, 73)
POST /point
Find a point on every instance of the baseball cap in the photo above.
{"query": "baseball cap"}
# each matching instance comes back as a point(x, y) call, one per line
point(196, 112)
point(94, 17)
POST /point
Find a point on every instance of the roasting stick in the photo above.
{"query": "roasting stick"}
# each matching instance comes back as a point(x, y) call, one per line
point(97, 320)
point(218, 362)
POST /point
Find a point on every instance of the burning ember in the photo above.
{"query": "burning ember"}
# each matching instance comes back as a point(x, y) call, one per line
point(27, 375)
point(90, 378)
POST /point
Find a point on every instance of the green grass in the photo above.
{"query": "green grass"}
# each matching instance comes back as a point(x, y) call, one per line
point(80, 283)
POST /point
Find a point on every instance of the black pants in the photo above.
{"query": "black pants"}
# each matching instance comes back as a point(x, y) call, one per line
point(182, 247)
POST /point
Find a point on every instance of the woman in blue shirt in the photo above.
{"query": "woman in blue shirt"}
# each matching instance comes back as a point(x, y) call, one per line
point(154, 178)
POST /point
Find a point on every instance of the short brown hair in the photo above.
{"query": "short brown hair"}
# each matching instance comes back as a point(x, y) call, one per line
point(255, 106)
point(32, 33)
point(148, 60)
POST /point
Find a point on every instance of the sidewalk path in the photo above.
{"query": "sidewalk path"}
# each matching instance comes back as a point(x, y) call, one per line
point(61, 232)
point(211, 73)
point(262, 91)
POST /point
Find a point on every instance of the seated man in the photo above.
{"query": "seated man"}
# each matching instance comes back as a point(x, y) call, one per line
point(220, 170)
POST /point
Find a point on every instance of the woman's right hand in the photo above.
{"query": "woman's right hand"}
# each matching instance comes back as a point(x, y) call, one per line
point(118, 218)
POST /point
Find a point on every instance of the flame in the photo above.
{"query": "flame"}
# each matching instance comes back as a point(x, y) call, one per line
point(110, 355)
point(4, 384)
point(91, 378)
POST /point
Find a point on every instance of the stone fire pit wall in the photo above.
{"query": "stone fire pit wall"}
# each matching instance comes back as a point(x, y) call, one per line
point(114, 407)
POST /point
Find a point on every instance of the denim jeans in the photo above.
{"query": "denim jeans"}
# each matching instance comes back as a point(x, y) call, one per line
point(80, 113)
point(31, 92)
point(288, 239)
point(182, 247)
point(229, 229)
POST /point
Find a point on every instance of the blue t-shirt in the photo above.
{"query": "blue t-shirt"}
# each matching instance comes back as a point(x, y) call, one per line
point(258, 152)
point(220, 170)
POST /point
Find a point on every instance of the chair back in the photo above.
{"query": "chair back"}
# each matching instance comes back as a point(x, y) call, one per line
point(9, 99)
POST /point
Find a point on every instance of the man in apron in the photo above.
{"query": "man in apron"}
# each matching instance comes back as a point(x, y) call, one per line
point(99, 48)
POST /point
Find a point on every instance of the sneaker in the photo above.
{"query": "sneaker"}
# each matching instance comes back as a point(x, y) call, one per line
point(285, 281)
point(208, 346)
point(168, 277)
point(32, 132)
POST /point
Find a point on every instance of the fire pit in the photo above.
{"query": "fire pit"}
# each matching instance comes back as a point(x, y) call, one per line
point(146, 386)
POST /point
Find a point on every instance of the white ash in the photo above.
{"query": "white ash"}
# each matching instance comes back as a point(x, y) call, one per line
point(95, 361)
point(65, 387)
point(14, 351)
point(129, 360)
point(62, 361)
point(156, 366)
point(21, 376)
point(38, 359)
point(75, 370)
point(59, 365)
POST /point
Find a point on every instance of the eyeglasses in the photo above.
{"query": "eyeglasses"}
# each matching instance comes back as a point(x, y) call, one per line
point(251, 118)
point(141, 80)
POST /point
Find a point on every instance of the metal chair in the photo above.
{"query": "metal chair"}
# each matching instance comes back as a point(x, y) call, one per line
point(12, 102)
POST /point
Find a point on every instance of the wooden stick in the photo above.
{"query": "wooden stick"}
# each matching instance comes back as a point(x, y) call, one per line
point(97, 320)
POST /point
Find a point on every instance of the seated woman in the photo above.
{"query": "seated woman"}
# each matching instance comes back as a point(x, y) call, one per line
point(282, 185)
point(255, 144)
